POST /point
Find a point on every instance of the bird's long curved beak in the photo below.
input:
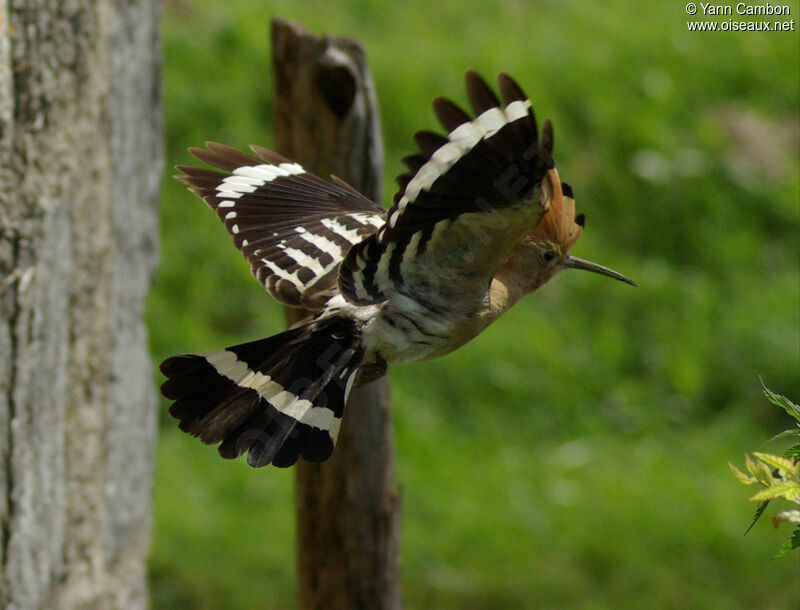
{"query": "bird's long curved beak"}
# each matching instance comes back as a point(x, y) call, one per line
point(573, 262)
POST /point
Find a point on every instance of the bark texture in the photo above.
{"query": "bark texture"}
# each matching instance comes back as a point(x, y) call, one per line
point(348, 509)
point(80, 165)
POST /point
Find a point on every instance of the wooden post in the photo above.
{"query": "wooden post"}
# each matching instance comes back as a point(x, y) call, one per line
point(348, 509)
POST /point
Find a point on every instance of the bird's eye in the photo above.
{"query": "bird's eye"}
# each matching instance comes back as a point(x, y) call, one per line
point(548, 255)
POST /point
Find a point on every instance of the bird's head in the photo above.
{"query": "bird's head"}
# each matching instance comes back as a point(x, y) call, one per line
point(544, 252)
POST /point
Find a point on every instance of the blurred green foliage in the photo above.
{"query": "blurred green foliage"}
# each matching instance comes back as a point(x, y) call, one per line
point(575, 455)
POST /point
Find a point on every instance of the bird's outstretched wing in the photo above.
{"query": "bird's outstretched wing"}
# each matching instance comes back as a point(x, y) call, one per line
point(292, 227)
point(467, 201)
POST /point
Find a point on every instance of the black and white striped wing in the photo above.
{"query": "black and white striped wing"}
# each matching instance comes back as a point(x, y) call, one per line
point(467, 201)
point(292, 227)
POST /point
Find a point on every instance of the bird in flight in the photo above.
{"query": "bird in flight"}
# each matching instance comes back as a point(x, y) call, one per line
point(480, 220)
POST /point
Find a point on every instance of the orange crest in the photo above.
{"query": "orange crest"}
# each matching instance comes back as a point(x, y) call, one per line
point(558, 226)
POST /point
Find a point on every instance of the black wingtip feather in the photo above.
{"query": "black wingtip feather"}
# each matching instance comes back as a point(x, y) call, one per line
point(450, 116)
point(429, 142)
point(177, 366)
point(208, 157)
point(402, 181)
point(222, 156)
point(546, 141)
point(345, 185)
point(196, 152)
point(480, 95)
point(228, 152)
point(509, 89)
point(317, 447)
point(414, 162)
point(287, 455)
point(270, 156)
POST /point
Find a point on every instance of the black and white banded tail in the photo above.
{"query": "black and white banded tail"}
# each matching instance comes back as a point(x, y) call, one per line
point(279, 398)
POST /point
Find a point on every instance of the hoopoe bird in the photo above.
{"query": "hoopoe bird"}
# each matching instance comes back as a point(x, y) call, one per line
point(480, 220)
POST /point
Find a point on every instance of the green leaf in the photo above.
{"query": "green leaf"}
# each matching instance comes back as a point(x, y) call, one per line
point(763, 473)
point(787, 516)
point(743, 478)
point(752, 467)
point(792, 543)
point(793, 452)
point(759, 511)
point(776, 461)
point(788, 491)
point(781, 401)
point(785, 434)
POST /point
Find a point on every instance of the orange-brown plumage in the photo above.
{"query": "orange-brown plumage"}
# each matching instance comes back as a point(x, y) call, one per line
point(558, 226)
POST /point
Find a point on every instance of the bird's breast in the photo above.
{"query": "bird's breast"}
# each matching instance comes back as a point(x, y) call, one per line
point(407, 330)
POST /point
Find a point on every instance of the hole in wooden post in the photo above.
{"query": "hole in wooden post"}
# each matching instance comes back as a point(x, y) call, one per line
point(337, 86)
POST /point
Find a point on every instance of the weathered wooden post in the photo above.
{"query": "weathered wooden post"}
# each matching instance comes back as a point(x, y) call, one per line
point(80, 167)
point(348, 511)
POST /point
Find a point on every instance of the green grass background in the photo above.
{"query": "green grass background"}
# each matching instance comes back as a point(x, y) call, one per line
point(575, 455)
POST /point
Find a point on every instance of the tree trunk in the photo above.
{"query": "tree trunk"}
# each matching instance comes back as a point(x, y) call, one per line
point(80, 165)
point(348, 509)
